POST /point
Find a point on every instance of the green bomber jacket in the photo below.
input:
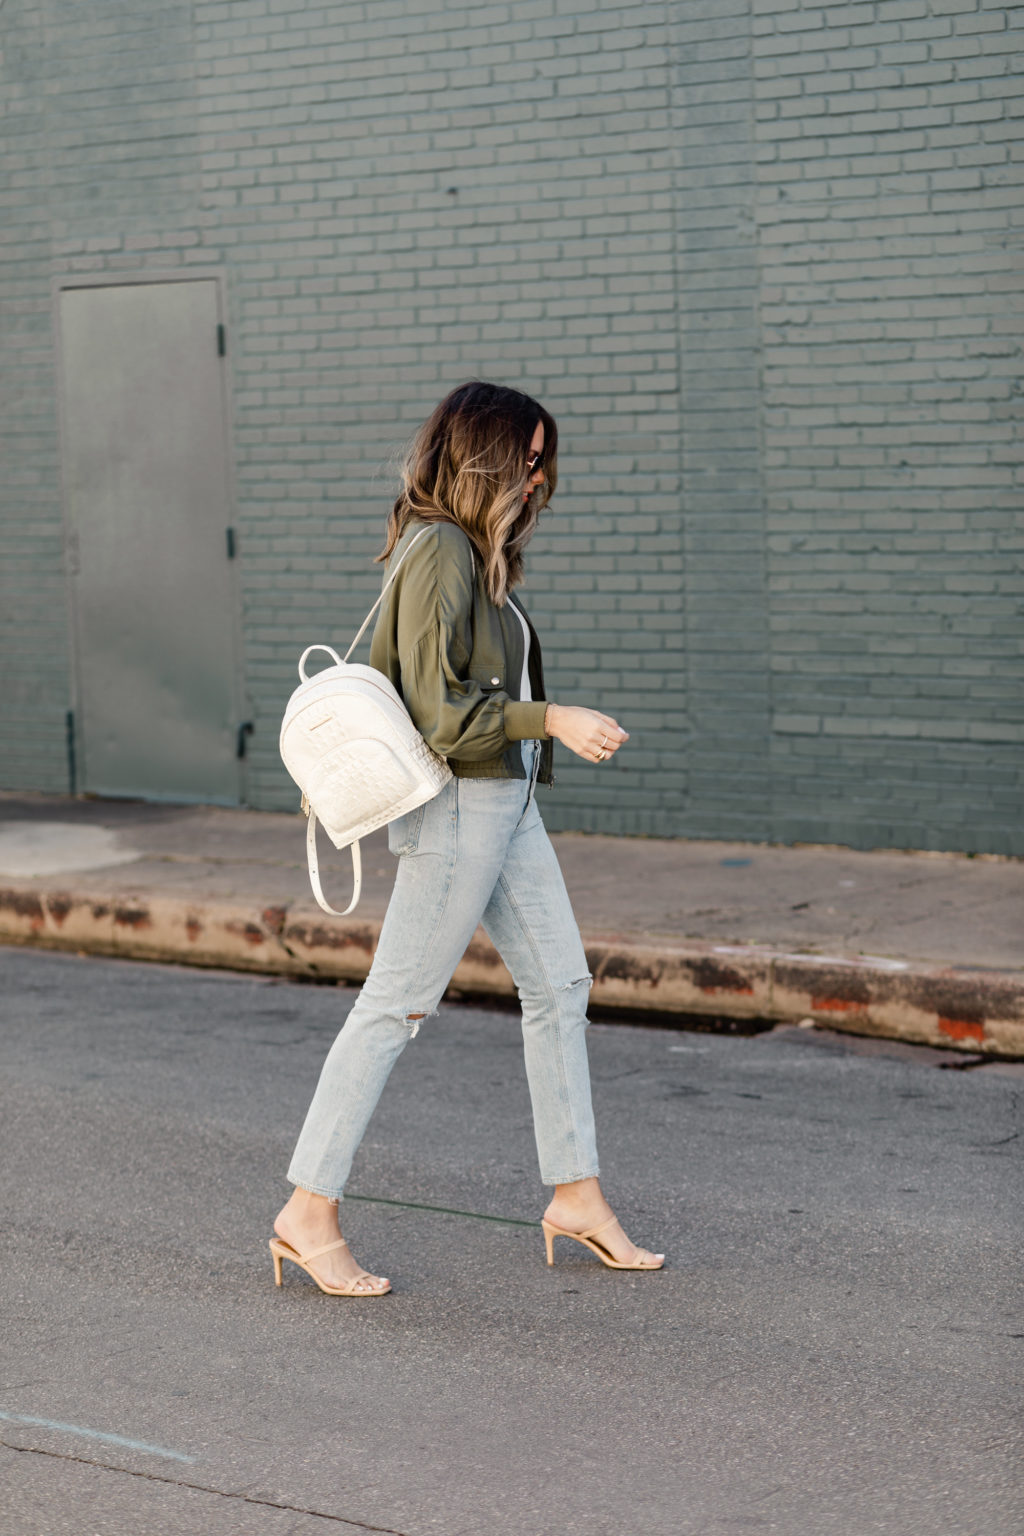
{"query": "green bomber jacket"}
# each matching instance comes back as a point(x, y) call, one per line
point(457, 660)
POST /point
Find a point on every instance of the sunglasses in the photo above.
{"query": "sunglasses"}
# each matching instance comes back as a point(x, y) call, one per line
point(535, 462)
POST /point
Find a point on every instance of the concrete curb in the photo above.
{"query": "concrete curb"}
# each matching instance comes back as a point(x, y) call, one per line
point(980, 1011)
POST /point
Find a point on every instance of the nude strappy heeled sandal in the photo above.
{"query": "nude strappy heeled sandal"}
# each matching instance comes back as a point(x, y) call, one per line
point(282, 1250)
point(603, 1253)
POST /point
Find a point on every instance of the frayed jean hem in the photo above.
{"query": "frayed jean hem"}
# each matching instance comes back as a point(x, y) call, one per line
point(571, 1178)
point(335, 1196)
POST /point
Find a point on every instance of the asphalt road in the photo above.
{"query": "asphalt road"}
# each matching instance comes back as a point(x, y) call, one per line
point(834, 1349)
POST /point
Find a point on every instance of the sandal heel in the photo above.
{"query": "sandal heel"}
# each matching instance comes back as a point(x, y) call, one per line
point(281, 1250)
point(589, 1240)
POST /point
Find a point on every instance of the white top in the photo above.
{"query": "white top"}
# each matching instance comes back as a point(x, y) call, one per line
point(525, 691)
point(525, 694)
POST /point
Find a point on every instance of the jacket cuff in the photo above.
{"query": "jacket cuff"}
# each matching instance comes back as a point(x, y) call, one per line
point(525, 721)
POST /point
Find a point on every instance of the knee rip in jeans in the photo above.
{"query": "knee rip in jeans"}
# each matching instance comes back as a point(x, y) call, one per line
point(416, 1019)
point(582, 981)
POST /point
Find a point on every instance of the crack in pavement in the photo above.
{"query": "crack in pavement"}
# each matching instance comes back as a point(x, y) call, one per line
point(177, 1482)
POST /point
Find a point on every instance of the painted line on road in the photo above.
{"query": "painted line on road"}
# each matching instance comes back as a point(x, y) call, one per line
point(443, 1210)
point(93, 1434)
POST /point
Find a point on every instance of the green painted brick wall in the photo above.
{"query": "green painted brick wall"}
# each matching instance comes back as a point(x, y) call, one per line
point(761, 258)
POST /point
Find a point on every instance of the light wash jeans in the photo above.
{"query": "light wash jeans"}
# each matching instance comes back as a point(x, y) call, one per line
point(478, 852)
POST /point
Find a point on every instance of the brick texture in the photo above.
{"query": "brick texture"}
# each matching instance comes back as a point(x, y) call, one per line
point(889, 225)
point(762, 260)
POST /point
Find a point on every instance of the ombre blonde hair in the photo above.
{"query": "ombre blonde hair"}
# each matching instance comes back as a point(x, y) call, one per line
point(467, 465)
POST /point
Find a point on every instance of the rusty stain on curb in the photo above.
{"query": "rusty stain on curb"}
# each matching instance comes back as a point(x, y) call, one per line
point(962, 1029)
point(24, 904)
point(713, 976)
point(836, 1004)
point(132, 917)
point(274, 918)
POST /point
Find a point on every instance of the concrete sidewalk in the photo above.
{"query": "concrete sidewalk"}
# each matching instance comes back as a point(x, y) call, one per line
point(927, 948)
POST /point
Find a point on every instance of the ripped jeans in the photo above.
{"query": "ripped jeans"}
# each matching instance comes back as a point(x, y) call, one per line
point(477, 853)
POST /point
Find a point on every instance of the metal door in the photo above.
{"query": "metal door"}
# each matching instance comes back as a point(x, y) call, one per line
point(144, 441)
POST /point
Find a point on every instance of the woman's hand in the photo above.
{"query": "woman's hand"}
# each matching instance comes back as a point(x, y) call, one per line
point(591, 735)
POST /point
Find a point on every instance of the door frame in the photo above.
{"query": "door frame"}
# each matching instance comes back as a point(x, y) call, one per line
point(157, 276)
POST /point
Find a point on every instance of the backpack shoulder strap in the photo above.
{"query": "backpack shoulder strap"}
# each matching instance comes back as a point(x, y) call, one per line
point(384, 589)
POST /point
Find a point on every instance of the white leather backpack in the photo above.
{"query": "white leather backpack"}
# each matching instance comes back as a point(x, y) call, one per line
point(350, 745)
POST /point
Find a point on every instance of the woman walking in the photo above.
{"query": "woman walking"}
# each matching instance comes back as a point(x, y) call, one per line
point(467, 663)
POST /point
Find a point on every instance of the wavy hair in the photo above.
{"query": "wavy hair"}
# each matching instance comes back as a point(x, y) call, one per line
point(467, 465)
